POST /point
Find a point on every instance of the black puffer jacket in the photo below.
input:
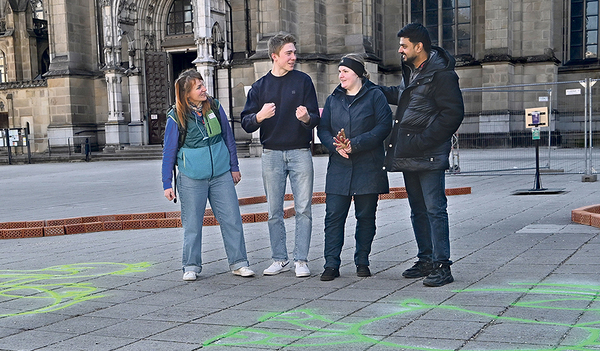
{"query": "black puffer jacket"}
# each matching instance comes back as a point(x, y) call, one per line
point(367, 121)
point(430, 110)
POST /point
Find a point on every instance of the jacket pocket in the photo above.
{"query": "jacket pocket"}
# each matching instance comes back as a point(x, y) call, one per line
point(195, 163)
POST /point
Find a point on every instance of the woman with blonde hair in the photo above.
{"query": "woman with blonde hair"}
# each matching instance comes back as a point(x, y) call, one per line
point(200, 142)
point(355, 121)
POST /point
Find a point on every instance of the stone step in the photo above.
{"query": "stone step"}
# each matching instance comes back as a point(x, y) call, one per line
point(129, 153)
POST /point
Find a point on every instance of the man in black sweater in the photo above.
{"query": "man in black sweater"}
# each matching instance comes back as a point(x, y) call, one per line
point(283, 104)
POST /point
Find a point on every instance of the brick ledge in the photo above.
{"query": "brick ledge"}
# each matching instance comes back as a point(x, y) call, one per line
point(588, 215)
point(92, 224)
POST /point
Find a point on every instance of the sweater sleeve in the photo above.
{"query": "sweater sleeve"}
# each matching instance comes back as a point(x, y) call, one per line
point(312, 105)
point(229, 140)
point(392, 94)
point(171, 142)
point(374, 137)
point(324, 128)
point(251, 108)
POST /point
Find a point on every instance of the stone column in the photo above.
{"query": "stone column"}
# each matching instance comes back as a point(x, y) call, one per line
point(116, 127)
point(136, 103)
point(205, 63)
point(497, 70)
point(136, 126)
point(72, 71)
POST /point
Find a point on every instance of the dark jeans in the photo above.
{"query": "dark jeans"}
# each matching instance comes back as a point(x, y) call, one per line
point(427, 198)
point(336, 211)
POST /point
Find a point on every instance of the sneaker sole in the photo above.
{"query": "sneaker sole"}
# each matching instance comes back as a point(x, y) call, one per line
point(243, 275)
point(274, 273)
point(329, 277)
point(415, 276)
point(435, 285)
point(302, 275)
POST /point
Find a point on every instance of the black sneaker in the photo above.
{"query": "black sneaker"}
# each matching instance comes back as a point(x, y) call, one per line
point(441, 275)
point(418, 270)
point(330, 274)
point(362, 270)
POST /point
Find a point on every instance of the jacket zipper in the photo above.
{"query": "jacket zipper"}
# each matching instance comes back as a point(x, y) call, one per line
point(209, 132)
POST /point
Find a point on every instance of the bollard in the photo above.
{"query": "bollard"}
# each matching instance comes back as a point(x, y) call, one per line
point(88, 150)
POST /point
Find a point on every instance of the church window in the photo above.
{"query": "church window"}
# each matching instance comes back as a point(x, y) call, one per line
point(3, 68)
point(180, 19)
point(584, 29)
point(448, 23)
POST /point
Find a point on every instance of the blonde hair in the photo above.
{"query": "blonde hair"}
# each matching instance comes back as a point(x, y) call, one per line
point(361, 60)
point(183, 86)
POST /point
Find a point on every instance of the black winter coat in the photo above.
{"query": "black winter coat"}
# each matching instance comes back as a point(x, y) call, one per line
point(430, 110)
point(367, 121)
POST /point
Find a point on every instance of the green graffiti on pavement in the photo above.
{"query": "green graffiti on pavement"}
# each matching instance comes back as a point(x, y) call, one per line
point(54, 288)
point(304, 328)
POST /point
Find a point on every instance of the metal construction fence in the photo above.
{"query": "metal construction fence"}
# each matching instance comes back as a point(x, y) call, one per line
point(14, 141)
point(16, 144)
point(494, 136)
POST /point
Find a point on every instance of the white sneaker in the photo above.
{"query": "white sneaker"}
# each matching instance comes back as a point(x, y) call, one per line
point(244, 272)
point(190, 275)
point(277, 267)
point(302, 269)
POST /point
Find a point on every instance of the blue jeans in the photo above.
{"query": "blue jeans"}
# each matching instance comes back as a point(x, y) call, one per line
point(277, 165)
point(220, 191)
point(427, 198)
point(336, 211)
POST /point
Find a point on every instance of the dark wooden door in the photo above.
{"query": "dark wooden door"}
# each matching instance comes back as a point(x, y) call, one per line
point(157, 94)
point(3, 120)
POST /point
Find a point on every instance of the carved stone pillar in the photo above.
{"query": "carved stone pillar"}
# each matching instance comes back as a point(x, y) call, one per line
point(136, 126)
point(116, 127)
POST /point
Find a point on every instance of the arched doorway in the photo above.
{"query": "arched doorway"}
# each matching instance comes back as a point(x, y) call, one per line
point(161, 71)
point(163, 67)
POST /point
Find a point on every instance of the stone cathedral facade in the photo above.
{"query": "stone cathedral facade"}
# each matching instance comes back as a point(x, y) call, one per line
point(104, 69)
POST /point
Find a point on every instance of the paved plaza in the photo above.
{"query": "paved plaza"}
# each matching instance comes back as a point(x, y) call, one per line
point(526, 277)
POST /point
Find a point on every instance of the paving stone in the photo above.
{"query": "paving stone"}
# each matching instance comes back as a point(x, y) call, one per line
point(519, 262)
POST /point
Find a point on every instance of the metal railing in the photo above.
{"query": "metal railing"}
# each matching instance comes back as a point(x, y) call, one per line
point(494, 137)
point(14, 141)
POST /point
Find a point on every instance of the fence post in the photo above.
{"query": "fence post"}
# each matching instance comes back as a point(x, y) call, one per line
point(28, 145)
point(6, 132)
point(549, 127)
point(587, 116)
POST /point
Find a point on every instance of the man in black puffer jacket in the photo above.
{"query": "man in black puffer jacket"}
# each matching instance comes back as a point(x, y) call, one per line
point(430, 110)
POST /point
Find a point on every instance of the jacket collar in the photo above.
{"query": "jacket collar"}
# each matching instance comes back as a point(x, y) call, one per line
point(366, 86)
point(439, 60)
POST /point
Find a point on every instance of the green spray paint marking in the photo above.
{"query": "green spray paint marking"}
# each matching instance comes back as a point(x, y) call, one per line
point(304, 328)
point(54, 288)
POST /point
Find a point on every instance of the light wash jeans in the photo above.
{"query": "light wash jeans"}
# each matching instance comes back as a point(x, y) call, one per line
point(220, 191)
point(277, 165)
point(428, 206)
